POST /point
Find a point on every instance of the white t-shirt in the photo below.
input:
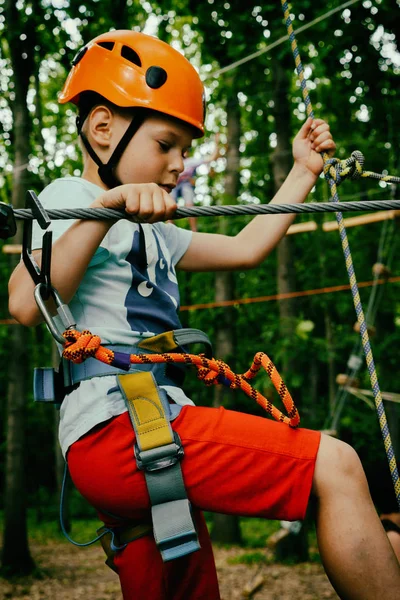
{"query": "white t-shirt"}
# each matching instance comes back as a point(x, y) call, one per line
point(117, 299)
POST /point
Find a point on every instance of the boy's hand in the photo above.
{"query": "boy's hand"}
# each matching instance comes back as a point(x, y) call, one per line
point(313, 138)
point(147, 201)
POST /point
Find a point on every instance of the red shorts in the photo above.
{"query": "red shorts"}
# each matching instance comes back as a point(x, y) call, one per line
point(234, 463)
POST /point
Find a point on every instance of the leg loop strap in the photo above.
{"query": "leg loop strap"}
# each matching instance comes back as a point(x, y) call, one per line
point(117, 538)
point(158, 452)
point(174, 530)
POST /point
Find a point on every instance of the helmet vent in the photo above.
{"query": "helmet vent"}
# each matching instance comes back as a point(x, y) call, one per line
point(156, 77)
point(79, 56)
point(106, 45)
point(131, 55)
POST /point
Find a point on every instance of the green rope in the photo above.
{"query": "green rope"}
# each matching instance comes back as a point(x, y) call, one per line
point(335, 172)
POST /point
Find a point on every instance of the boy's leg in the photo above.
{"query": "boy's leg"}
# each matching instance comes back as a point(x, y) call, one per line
point(267, 469)
point(103, 468)
point(240, 464)
point(354, 547)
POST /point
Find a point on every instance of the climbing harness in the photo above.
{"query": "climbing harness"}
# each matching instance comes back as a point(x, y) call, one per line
point(335, 172)
point(81, 345)
point(156, 361)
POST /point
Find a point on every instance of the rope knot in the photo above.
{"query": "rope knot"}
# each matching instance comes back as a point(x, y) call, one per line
point(339, 170)
point(212, 375)
point(80, 345)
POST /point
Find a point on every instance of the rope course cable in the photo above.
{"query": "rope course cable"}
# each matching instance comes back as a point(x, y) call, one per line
point(334, 179)
point(212, 211)
point(335, 170)
point(278, 42)
point(285, 296)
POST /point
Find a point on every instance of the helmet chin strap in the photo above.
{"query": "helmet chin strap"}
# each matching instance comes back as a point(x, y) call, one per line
point(107, 171)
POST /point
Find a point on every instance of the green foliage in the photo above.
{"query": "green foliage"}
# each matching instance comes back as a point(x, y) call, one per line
point(255, 532)
point(47, 529)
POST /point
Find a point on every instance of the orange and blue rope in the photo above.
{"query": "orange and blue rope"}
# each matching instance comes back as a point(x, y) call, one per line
point(79, 346)
point(335, 172)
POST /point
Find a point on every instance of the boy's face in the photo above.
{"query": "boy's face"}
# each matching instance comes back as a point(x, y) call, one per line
point(155, 153)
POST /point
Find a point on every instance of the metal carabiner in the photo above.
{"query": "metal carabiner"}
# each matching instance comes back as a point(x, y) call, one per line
point(41, 276)
point(62, 309)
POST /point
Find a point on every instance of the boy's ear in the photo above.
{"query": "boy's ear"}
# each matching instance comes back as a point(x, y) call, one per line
point(101, 122)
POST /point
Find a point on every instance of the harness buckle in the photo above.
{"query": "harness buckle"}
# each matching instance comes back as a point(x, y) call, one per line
point(174, 531)
point(161, 457)
point(62, 309)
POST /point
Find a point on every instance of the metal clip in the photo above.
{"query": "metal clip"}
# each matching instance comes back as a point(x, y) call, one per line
point(41, 276)
point(62, 309)
point(160, 457)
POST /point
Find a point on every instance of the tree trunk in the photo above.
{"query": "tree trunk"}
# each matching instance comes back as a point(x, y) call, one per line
point(39, 120)
point(185, 288)
point(319, 241)
point(226, 528)
point(16, 558)
point(331, 360)
point(15, 553)
point(281, 164)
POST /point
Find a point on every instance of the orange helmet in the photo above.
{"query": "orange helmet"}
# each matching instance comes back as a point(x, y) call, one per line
point(132, 69)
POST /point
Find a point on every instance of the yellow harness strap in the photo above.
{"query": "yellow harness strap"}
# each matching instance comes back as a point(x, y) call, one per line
point(164, 342)
point(158, 452)
point(151, 425)
point(176, 340)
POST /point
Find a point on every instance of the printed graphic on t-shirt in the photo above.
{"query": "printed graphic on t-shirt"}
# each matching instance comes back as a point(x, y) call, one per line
point(153, 298)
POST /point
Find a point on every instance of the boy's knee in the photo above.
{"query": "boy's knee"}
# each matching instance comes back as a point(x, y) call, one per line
point(337, 467)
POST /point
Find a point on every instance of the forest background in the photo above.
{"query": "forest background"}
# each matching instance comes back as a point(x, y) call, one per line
point(352, 64)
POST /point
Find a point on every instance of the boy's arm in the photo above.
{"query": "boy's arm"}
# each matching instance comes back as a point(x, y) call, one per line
point(73, 251)
point(70, 257)
point(252, 245)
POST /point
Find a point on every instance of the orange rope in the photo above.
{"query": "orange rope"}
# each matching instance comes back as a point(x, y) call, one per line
point(81, 345)
point(324, 290)
point(285, 296)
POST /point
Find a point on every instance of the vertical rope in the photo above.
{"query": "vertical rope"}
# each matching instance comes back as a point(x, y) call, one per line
point(350, 270)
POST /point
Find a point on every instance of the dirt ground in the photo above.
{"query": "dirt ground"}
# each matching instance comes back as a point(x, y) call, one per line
point(68, 573)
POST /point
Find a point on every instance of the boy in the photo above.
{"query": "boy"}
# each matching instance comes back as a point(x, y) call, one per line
point(140, 105)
